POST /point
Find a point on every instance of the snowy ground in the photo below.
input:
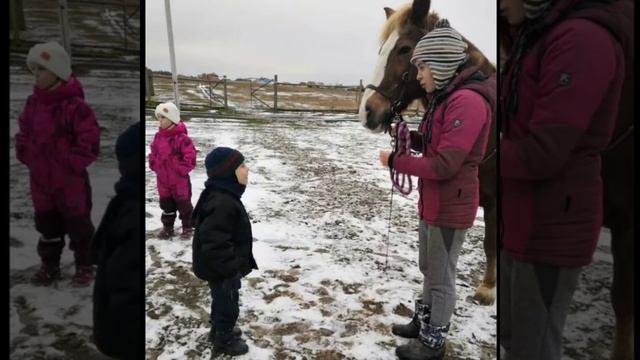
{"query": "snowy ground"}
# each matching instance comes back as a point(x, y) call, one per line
point(319, 204)
point(56, 322)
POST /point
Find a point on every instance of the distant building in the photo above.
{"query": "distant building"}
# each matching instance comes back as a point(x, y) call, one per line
point(209, 77)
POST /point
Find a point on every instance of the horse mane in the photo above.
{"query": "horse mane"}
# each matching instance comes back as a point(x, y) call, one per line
point(399, 18)
point(476, 57)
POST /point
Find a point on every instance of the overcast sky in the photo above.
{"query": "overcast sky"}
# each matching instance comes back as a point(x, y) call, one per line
point(333, 41)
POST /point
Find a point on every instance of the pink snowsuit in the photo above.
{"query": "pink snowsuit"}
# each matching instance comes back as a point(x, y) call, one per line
point(172, 157)
point(58, 139)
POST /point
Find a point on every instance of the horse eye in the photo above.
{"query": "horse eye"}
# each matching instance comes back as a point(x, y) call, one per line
point(404, 50)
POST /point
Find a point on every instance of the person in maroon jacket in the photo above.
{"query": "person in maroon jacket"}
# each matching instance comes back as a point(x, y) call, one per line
point(452, 138)
point(559, 100)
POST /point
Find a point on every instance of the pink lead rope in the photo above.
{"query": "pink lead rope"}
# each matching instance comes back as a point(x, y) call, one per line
point(402, 146)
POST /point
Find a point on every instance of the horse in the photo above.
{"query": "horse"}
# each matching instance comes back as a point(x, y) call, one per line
point(618, 195)
point(392, 83)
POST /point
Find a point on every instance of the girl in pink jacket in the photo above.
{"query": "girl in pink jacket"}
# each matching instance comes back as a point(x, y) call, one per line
point(172, 157)
point(58, 139)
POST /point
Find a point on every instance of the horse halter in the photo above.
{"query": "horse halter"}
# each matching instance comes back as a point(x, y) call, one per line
point(395, 104)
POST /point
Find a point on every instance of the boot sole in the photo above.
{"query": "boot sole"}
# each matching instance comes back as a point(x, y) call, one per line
point(405, 335)
point(439, 357)
point(44, 283)
point(221, 354)
point(410, 336)
point(41, 282)
point(430, 358)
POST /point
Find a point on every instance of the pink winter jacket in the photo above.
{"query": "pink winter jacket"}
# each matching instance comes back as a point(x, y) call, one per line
point(172, 157)
point(59, 136)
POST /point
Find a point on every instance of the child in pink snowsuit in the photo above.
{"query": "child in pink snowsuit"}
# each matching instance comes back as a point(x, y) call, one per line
point(172, 157)
point(58, 139)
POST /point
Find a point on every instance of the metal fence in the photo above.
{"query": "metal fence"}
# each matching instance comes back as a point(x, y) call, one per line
point(95, 27)
point(259, 94)
point(265, 94)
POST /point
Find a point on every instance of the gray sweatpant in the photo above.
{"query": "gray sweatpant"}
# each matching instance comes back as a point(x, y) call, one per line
point(437, 257)
point(534, 301)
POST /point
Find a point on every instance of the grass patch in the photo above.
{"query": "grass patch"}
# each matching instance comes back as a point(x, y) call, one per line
point(257, 122)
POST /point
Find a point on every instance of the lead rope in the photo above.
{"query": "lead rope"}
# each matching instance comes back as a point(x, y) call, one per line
point(401, 146)
point(386, 257)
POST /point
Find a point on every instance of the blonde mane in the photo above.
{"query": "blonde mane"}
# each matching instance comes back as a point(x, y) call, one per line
point(399, 18)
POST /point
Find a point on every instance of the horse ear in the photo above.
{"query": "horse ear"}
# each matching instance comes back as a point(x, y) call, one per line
point(419, 11)
point(389, 11)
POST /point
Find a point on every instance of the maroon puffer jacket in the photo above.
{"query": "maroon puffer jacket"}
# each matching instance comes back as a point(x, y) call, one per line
point(448, 168)
point(568, 95)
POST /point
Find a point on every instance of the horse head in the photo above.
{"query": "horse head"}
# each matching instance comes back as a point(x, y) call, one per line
point(394, 85)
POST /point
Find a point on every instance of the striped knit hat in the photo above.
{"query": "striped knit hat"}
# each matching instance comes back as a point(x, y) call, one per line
point(443, 50)
point(535, 8)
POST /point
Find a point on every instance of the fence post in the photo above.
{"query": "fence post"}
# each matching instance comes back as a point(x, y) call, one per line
point(64, 25)
point(172, 54)
point(224, 82)
point(124, 23)
point(146, 84)
point(210, 93)
point(17, 18)
point(275, 93)
point(149, 83)
point(251, 92)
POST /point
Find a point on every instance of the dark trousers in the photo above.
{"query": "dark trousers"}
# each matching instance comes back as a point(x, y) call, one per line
point(60, 212)
point(171, 206)
point(53, 226)
point(224, 303)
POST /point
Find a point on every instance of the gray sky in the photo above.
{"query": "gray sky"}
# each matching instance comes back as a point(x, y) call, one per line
point(300, 40)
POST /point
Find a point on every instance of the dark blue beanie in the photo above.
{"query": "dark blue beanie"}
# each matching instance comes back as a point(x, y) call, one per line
point(128, 150)
point(222, 162)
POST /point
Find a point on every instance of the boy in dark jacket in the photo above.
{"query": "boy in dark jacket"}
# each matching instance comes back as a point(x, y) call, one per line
point(117, 249)
point(222, 244)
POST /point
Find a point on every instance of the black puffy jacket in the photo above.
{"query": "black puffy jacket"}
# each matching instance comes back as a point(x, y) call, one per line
point(118, 295)
point(222, 241)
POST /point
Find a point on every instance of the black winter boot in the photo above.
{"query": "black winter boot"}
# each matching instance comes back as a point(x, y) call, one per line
point(166, 233)
point(236, 332)
point(50, 251)
point(187, 233)
point(47, 274)
point(412, 329)
point(430, 344)
point(227, 344)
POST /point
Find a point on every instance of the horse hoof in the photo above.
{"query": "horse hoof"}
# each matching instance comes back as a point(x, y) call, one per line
point(485, 295)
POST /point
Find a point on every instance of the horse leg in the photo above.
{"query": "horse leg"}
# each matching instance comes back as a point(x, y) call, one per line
point(486, 291)
point(622, 291)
